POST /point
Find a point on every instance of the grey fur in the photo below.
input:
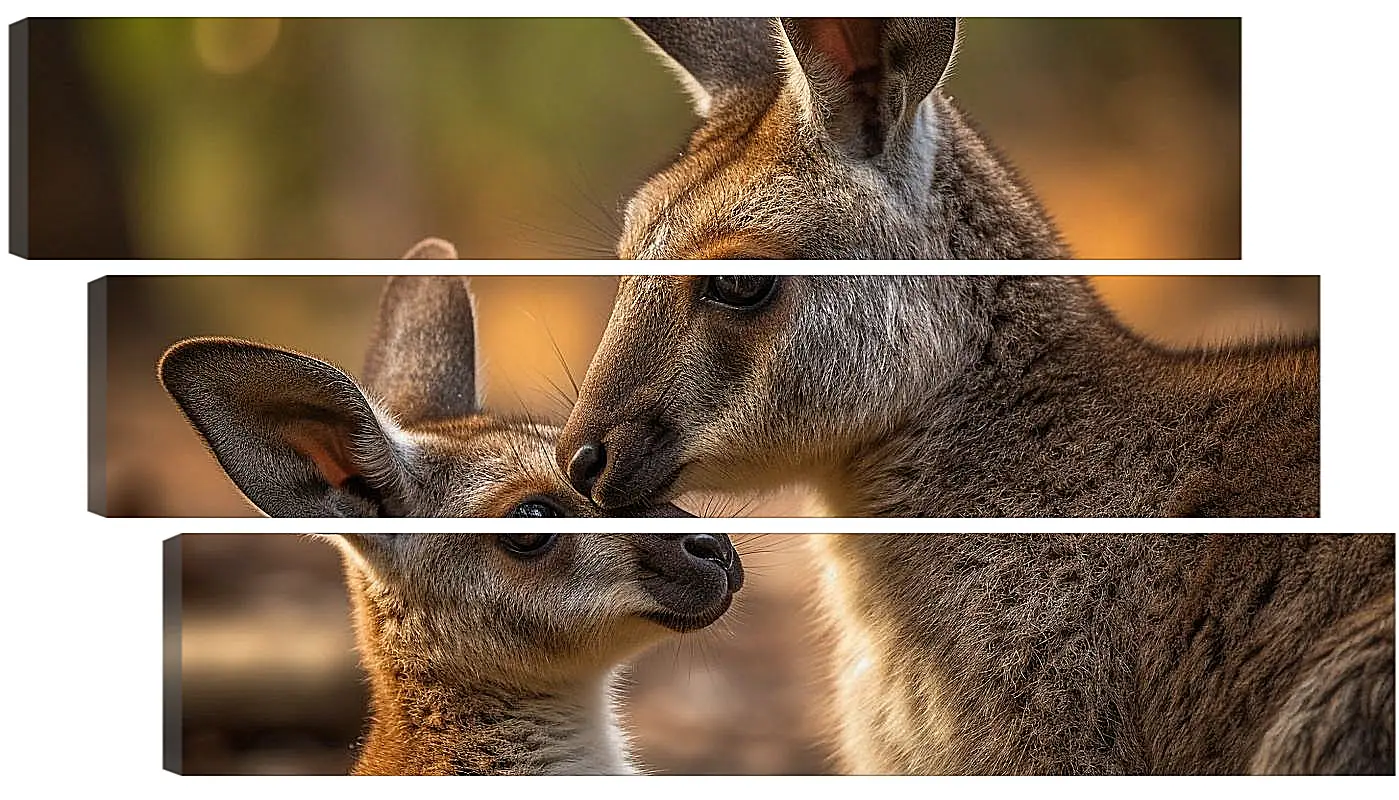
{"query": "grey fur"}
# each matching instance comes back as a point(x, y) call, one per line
point(1110, 654)
point(715, 56)
point(823, 150)
point(942, 396)
point(422, 358)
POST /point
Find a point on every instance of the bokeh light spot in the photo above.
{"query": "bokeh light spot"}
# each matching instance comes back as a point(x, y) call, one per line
point(233, 46)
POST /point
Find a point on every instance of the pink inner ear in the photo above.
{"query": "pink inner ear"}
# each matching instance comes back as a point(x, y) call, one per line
point(851, 43)
point(326, 450)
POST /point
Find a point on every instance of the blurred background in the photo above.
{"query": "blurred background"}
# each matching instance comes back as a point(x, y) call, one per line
point(269, 682)
point(147, 461)
point(521, 138)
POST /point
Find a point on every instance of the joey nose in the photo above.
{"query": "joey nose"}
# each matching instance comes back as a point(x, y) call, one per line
point(707, 547)
point(585, 466)
point(716, 550)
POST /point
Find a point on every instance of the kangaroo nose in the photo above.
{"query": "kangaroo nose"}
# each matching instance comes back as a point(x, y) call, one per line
point(587, 463)
point(707, 547)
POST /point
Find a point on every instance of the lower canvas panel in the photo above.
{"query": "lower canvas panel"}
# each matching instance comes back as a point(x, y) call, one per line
point(1014, 653)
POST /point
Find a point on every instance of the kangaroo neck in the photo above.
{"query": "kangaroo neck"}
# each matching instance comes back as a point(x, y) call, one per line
point(1055, 409)
point(425, 727)
point(1033, 343)
point(980, 208)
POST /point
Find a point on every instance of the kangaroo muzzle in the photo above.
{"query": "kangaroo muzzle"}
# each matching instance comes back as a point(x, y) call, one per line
point(585, 465)
point(635, 463)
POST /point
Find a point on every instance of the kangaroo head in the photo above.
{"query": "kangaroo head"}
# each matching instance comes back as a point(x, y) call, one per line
point(726, 382)
point(531, 610)
point(301, 438)
point(826, 138)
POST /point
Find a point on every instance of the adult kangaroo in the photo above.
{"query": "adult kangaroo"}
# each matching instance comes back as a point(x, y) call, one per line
point(1111, 653)
point(936, 395)
point(828, 138)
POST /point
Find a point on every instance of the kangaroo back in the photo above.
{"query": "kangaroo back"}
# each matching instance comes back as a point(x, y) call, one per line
point(828, 138)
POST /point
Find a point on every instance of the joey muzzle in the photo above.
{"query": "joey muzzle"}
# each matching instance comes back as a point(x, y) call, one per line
point(692, 577)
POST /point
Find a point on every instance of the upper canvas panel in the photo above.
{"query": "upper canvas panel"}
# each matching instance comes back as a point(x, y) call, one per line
point(550, 138)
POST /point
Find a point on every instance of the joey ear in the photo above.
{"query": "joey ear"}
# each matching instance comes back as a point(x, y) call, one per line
point(432, 248)
point(715, 57)
point(863, 78)
point(295, 434)
point(422, 359)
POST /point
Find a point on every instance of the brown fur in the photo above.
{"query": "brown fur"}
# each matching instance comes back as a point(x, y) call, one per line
point(829, 138)
point(483, 662)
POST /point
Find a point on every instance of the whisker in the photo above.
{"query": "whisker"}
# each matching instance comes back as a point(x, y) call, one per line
point(565, 242)
point(563, 362)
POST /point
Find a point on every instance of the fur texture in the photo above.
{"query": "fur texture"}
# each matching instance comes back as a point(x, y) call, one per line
point(485, 661)
point(302, 438)
point(829, 138)
point(1074, 654)
point(941, 396)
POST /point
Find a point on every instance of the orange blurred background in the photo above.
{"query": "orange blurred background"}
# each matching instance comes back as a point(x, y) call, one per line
point(149, 462)
point(521, 138)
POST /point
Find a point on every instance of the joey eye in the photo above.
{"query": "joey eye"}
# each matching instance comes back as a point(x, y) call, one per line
point(527, 544)
point(740, 291)
point(535, 508)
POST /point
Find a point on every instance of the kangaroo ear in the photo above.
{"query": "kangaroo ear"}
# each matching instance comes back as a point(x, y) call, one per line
point(715, 57)
point(422, 359)
point(295, 434)
point(863, 78)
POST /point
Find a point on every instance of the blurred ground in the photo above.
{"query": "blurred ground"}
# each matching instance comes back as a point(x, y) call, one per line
point(155, 465)
point(520, 138)
point(270, 685)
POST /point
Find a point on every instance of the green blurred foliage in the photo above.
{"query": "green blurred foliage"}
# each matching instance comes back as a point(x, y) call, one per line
point(353, 138)
point(523, 137)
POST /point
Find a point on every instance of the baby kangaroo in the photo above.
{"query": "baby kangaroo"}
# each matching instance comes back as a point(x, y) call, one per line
point(828, 138)
point(301, 438)
point(496, 654)
point(1092, 653)
point(947, 395)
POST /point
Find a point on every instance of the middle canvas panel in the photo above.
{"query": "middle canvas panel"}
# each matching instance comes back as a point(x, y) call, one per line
point(760, 395)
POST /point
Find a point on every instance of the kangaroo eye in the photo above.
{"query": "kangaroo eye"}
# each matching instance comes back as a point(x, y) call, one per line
point(535, 508)
point(527, 544)
point(740, 291)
